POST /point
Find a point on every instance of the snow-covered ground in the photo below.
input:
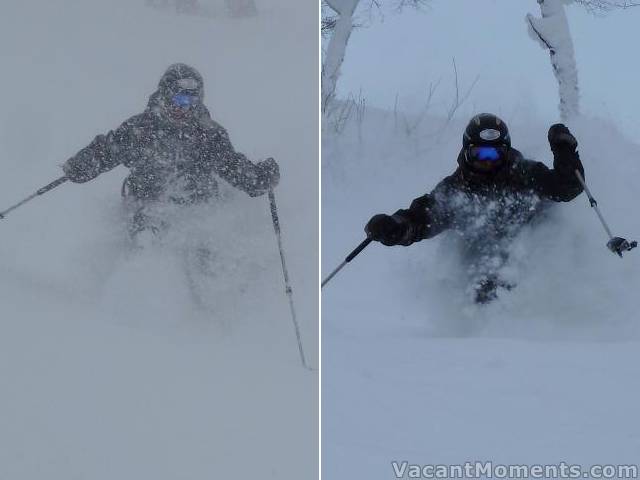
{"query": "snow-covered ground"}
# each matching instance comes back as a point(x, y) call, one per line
point(110, 368)
point(412, 371)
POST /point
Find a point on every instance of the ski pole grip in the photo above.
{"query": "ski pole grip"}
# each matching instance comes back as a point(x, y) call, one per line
point(52, 185)
point(358, 249)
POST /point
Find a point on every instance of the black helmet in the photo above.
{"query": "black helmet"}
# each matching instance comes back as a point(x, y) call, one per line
point(181, 79)
point(486, 143)
point(486, 129)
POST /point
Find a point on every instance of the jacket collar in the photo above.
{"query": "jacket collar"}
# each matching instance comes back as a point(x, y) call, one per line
point(499, 178)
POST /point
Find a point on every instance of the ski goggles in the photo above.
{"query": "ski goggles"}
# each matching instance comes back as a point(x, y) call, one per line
point(487, 153)
point(486, 158)
point(185, 100)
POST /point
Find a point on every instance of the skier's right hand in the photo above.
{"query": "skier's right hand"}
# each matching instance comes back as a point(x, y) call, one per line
point(385, 229)
point(74, 172)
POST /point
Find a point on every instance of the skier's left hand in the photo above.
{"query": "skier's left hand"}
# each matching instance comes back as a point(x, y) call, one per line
point(270, 171)
point(561, 139)
point(563, 145)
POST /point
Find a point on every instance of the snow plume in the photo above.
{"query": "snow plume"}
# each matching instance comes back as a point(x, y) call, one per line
point(385, 171)
point(178, 360)
point(411, 365)
point(553, 34)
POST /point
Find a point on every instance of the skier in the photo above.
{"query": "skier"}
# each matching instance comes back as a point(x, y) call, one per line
point(174, 152)
point(491, 195)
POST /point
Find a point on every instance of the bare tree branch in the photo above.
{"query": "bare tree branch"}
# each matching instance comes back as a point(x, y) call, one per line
point(416, 4)
point(327, 25)
point(599, 7)
point(410, 124)
point(539, 34)
point(457, 99)
point(411, 127)
point(369, 10)
point(344, 110)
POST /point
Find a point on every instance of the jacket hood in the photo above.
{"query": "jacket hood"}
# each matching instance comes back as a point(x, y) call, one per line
point(179, 77)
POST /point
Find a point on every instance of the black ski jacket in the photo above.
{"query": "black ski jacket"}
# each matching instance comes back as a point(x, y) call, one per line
point(485, 210)
point(170, 159)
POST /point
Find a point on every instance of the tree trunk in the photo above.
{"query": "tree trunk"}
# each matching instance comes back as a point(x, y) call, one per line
point(337, 46)
point(552, 32)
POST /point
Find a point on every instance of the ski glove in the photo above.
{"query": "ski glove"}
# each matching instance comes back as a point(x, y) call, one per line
point(75, 172)
point(563, 145)
point(385, 229)
point(270, 171)
point(561, 139)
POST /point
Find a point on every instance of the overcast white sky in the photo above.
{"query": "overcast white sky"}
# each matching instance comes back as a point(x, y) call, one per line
point(406, 52)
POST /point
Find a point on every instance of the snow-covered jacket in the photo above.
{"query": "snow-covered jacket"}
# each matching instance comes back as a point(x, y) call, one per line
point(169, 158)
point(486, 211)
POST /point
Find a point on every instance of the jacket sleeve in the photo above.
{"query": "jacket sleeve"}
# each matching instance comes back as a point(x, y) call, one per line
point(104, 153)
point(425, 218)
point(233, 166)
point(560, 184)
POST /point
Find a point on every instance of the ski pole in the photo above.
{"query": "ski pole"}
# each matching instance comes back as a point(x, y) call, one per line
point(616, 244)
point(285, 273)
point(41, 191)
point(350, 257)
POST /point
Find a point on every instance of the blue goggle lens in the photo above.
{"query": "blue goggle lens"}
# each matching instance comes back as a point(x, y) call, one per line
point(487, 154)
point(184, 100)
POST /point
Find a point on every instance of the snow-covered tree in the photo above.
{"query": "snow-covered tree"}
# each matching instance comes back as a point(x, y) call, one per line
point(552, 32)
point(337, 46)
point(338, 21)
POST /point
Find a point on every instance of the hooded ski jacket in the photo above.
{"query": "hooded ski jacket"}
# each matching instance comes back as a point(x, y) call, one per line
point(171, 158)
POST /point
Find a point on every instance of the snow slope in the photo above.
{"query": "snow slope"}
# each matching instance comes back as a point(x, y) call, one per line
point(110, 367)
point(413, 371)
